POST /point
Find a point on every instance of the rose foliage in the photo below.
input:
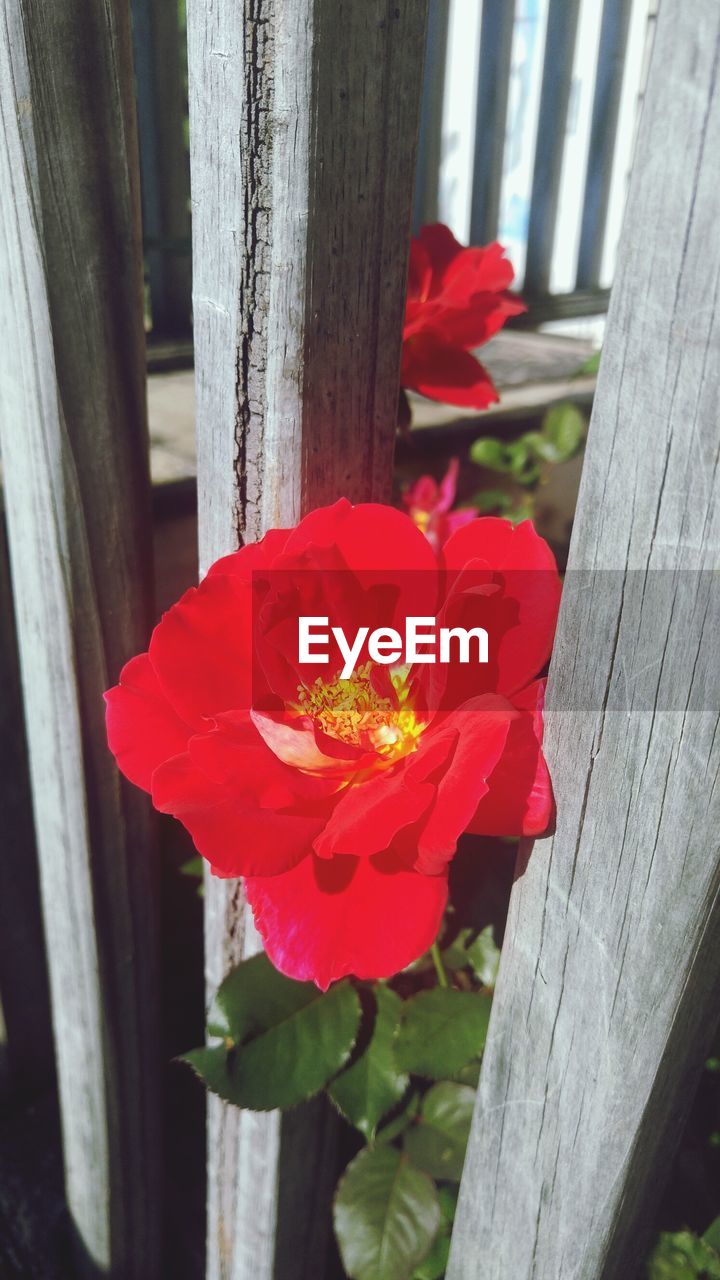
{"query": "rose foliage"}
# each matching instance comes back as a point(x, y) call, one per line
point(341, 801)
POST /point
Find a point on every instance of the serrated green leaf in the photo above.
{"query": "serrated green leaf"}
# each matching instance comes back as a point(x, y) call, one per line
point(398, 1124)
point(386, 1216)
point(372, 1084)
point(455, 955)
point(682, 1255)
point(563, 428)
point(469, 1074)
point(211, 1065)
point(281, 1041)
point(491, 453)
point(448, 1198)
point(437, 1142)
point(711, 1237)
point(435, 1265)
point(484, 957)
point(441, 1030)
point(476, 952)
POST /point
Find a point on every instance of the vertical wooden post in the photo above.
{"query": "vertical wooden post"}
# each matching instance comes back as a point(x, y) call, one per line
point(158, 49)
point(74, 446)
point(303, 126)
point(607, 993)
point(23, 968)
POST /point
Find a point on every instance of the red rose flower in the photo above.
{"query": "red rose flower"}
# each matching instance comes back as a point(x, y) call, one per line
point(341, 801)
point(457, 298)
point(429, 504)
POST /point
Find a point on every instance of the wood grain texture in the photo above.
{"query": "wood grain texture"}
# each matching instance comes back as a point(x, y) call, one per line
point(23, 968)
point(74, 445)
point(607, 993)
point(303, 126)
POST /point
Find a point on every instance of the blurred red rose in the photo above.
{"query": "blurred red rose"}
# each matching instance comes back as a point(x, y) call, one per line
point(429, 504)
point(341, 801)
point(457, 299)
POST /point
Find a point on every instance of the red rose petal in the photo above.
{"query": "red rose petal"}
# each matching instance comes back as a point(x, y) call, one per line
point(202, 649)
point(326, 919)
point(480, 728)
point(445, 373)
point(480, 269)
point(143, 729)
point(255, 556)
point(235, 836)
point(368, 815)
point(441, 247)
point(531, 580)
point(519, 800)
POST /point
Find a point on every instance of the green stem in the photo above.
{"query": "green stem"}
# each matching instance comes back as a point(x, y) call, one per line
point(439, 966)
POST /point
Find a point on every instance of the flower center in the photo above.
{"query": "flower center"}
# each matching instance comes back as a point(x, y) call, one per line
point(353, 711)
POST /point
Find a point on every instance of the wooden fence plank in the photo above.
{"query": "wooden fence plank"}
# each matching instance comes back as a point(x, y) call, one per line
point(562, 24)
point(427, 178)
point(607, 994)
point(74, 445)
point(496, 39)
point(23, 968)
point(601, 147)
point(303, 121)
point(158, 48)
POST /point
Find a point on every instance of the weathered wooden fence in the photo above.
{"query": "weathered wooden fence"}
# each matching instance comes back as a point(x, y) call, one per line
point(304, 117)
point(303, 128)
point(607, 994)
point(159, 52)
point(74, 446)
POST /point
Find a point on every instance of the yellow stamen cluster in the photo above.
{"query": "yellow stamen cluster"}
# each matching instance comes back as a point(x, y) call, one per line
point(353, 711)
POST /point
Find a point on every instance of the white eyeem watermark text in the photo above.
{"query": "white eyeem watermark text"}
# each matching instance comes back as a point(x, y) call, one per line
point(423, 641)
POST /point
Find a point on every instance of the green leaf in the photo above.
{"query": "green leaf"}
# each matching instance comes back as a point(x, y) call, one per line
point(469, 1074)
point(491, 453)
point(563, 429)
point(435, 1265)
point(193, 867)
point(372, 1084)
point(398, 1124)
point(484, 957)
point(281, 1041)
point(683, 1256)
point(386, 1216)
point(488, 500)
point(590, 366)
point(520, 460)
point(441, 1030)
point(448, 1197)
point(711, 1237)
point(477, 953)
point(437, 1142)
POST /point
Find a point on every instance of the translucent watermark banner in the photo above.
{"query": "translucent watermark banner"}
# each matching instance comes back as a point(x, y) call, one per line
point(326, 641)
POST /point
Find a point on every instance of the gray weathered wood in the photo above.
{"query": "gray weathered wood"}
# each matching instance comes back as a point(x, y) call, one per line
point(74, 445)
point(158, 49)
point(607, 993)
point(303, 120)
point(562, 24)
point(427, 177)
point(496, 38)
point(23, 968)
